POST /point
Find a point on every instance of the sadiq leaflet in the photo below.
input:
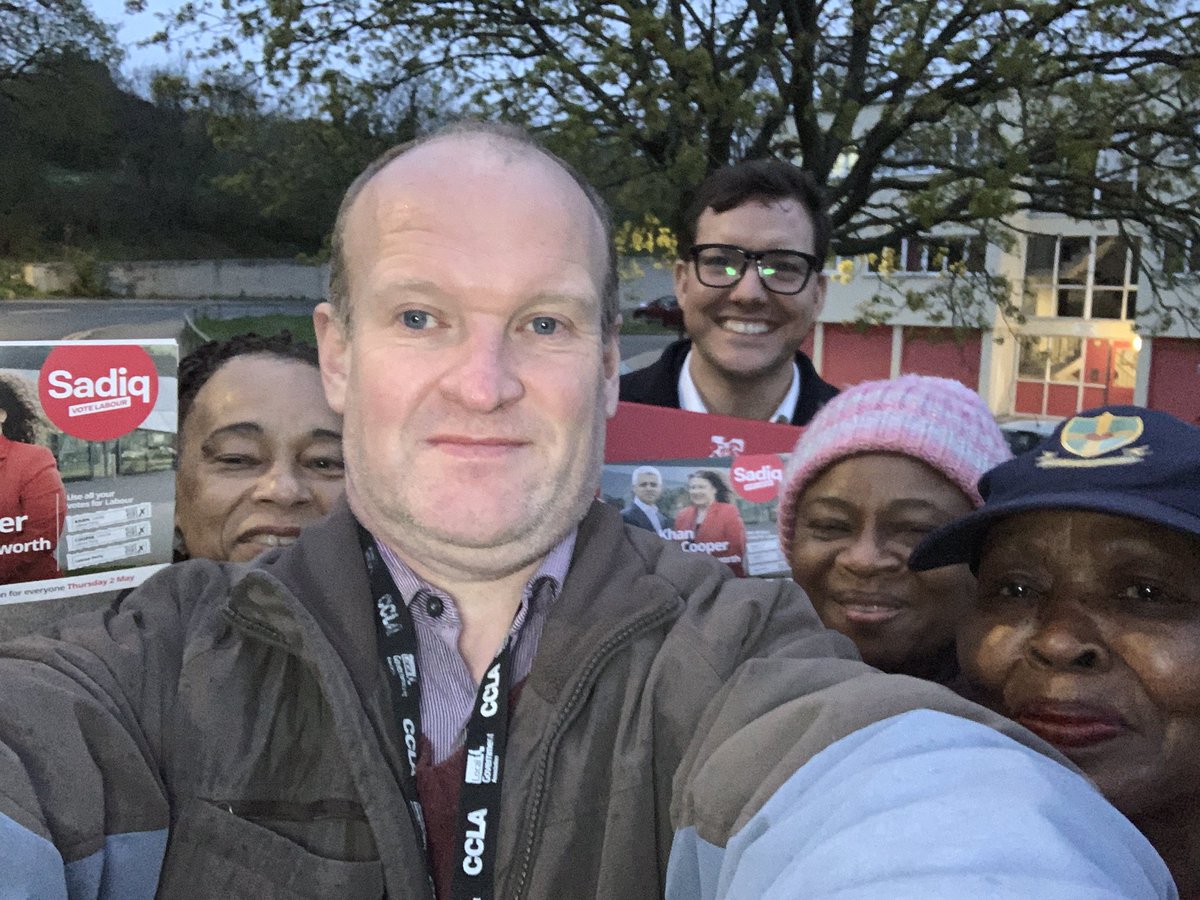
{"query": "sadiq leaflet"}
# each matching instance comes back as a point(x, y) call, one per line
point(87, 465)
point(718, 481)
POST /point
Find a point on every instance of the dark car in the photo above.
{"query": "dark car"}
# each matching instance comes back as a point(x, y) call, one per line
point(664, 310)
point(1025, 434)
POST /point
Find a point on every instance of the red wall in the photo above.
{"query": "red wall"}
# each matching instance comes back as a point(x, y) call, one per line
point(851, 355)
point(936, 351)
point(1175, 377)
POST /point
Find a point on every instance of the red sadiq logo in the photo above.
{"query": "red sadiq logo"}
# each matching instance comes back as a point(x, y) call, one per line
point(757, 477)
point(98, 392)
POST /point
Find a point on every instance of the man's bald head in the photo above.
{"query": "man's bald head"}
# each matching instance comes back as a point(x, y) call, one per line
point(499, 135)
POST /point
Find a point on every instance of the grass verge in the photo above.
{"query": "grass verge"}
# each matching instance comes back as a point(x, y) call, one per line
point(301, 327)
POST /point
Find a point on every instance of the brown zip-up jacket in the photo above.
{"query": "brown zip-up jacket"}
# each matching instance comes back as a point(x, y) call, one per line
point(225, 731)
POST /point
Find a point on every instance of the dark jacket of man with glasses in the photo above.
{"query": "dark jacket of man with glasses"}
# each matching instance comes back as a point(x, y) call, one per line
point(750, 286)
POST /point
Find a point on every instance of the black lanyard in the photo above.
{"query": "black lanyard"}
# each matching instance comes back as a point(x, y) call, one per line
point(486, 738)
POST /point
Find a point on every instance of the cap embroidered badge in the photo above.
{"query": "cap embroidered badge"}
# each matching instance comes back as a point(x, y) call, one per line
point(1089, 438)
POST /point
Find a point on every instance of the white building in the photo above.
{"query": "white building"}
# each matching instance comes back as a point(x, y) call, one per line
point(1078, 285)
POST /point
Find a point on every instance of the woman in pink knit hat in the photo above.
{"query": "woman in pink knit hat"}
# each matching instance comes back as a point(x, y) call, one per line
point(881, 465)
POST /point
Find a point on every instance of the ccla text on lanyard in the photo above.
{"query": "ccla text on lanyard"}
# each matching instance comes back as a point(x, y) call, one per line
point(486, 737)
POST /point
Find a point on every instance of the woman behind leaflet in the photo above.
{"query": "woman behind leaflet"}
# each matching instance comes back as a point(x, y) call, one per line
point(33, 503)
point(714, 522)
point(260, 451)
point(881, 465)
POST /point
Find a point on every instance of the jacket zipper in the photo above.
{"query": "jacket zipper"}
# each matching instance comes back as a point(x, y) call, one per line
point(539, 786)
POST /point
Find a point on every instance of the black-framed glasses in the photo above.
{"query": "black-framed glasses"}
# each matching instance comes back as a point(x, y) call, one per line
point(781, 271)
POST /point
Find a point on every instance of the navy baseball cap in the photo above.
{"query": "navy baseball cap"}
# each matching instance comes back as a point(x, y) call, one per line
point(1123, 460)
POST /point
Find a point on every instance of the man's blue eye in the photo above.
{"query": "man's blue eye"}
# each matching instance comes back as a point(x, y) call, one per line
point(544, 325)
point(416, 318)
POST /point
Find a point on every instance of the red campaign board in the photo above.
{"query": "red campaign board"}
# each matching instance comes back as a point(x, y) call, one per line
point(87, 465)
point(639, 432)
point(719, 480)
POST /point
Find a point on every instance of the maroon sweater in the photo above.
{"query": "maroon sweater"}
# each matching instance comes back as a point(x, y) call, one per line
point(438, 788)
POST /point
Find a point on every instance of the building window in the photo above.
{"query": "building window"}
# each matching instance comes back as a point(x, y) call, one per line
point(1080, 277)
point(930, 255)
point(1118, 176)
point(1058, 376)
point(1181, 257)
point(926, 152)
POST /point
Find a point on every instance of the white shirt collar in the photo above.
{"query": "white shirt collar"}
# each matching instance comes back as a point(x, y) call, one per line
point(651, 514)
point(690, 399)
point(645, 507)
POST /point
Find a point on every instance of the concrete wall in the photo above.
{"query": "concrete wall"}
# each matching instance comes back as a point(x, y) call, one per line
point(198, 279)
point(642, 279)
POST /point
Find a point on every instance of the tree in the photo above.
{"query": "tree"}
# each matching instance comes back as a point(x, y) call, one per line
point(34, 34)
point(288, 163)
point(919, 117)
point(95, 170)
point(61, 138)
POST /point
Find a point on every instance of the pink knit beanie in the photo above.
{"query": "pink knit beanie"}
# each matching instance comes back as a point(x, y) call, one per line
point(936, 420)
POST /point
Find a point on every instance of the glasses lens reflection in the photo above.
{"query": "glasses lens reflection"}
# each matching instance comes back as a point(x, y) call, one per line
point(781, 271)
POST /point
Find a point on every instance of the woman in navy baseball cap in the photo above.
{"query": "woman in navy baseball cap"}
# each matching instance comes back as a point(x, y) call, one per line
point(1086, 623)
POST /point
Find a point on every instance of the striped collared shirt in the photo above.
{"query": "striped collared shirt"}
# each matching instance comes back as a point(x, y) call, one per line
point(447, 688)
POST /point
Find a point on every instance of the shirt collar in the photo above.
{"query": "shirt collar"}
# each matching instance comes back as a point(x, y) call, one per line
point(645, 507)
point(690, 399)
point(545, 583)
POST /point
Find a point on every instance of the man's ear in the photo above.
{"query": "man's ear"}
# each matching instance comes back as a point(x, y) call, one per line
point(333, 346)
point(682, 273)
point(612, 369)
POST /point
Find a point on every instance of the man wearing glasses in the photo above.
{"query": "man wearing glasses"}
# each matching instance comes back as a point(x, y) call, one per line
point(750, 286)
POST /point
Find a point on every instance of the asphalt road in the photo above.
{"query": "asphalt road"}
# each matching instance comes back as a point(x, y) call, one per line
point(57, 317)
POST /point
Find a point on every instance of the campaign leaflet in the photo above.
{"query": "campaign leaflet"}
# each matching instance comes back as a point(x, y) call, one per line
point(720, 481)
point(87, 465)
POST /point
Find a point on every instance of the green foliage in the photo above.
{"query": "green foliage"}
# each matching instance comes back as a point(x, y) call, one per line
point(648, 237)
point(103, 170)
point(918, 117)
point(294, 169)
point(959, 299)
point(192, 172)
point(12, 281)
point(88, 276)
point(301, 327)
point(955, 290)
